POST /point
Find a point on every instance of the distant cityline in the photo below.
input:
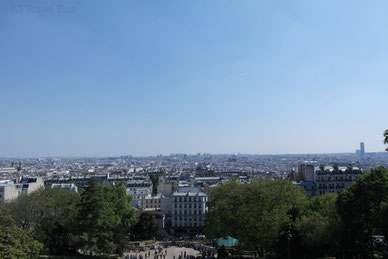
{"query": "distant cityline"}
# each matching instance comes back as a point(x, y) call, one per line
point(194, 155)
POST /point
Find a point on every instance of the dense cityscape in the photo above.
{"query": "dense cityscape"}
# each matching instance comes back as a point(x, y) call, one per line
point(175, 191)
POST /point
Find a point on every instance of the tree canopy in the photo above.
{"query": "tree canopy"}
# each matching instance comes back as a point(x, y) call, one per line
point(146, 227)
point(15, 242)
point(360, 208)
point(258, 214)
point(105, 218)
point(99, 219)
point(274, 217)
point(386, 139)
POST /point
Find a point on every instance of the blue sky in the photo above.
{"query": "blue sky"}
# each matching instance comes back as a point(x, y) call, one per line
point(99, 78)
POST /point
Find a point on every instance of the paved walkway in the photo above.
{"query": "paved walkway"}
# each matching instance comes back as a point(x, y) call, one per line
point(171, 252)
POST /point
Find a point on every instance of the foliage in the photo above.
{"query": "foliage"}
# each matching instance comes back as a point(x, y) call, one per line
point(317, 228)
point(146, 227)
point(384, 219)
point(359, 207)
point(121, 202)
point(25, 210)
point(57, 225)
point(15, 242)
point(258, 214)
point(386, 138)
point(49, 216)
point(155, 181)
point(98, 220)
point(105, 218)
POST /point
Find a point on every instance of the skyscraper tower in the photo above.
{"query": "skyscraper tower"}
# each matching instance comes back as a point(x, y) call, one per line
point(362, 148)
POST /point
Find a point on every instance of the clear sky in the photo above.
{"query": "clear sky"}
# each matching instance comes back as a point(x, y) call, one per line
point(146, 77)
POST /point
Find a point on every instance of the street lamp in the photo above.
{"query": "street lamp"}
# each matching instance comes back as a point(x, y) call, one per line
point(289, 236)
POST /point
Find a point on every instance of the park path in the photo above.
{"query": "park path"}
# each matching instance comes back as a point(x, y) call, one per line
point(171, 252)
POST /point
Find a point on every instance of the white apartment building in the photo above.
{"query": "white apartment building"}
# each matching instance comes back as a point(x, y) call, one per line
point(187, 212)
point(319, 180)
point(332, 179)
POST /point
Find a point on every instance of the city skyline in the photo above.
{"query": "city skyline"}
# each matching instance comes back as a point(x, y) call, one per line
point(162, 77)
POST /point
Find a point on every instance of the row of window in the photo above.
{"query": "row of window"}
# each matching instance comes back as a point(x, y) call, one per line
point(188, 205)
point(331, 186)
point(188, 199)
point(152, 201)
point(337, 178)
point(152, 206)
point(179, 224)
point(185, 219)
point(185, 212)
point(323, 192)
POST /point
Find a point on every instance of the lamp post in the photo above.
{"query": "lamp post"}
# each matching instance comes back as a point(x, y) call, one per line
point(289, 236)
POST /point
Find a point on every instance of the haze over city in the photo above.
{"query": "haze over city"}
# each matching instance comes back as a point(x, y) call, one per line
point(160, 77)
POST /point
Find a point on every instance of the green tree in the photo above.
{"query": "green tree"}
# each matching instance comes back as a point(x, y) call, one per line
point(146, 227)
point(56, 227)
point(259, 214)
point(15, 242)
point(155, 182)
point(97, 220)
point(384, 219)
point(25, 211)
point(386, 139)
point(317, 229)
point(359, 207)
point(105, 218)
point(49, 216)
point(118, 199)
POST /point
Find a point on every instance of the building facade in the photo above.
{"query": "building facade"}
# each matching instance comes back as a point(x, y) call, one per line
point(150, 202)
point(332, 179)
point(319, 180)
point(8, 191)
point(187, 212)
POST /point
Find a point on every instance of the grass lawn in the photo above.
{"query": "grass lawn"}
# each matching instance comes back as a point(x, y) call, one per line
point(149, 242)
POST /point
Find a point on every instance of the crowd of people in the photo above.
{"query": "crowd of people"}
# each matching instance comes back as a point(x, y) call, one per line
point(170, 252)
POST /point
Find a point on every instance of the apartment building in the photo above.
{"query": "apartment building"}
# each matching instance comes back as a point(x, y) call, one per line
point(11, 189)
point(150, 202)
point(187, 212)
point(318, 180)
point(332, 179)
point(8, 190)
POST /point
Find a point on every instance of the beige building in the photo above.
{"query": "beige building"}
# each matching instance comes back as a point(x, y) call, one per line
point(8, 191)
point(30, 184)
point(167, 187)
point(150, 202)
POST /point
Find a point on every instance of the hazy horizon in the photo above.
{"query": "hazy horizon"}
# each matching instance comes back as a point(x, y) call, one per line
point(161, 77)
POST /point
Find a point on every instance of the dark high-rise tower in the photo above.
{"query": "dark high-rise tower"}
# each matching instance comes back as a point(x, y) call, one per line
point(362, 148)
